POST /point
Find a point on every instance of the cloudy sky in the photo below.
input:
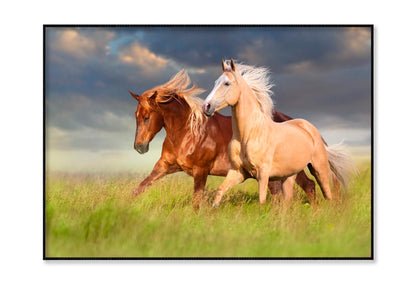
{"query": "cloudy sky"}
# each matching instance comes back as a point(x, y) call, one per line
point(320, 74)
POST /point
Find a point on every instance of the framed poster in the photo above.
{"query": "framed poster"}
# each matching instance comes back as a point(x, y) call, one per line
point(135, 147)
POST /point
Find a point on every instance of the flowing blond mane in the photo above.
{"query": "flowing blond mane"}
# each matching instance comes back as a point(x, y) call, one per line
point(258, 79)
point(178, 85)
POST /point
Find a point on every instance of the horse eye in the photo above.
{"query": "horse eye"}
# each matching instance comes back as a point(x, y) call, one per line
point(145, 118)
point(227, 83)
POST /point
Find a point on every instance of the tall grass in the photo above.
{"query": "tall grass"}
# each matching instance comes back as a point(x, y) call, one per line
point(93, 215)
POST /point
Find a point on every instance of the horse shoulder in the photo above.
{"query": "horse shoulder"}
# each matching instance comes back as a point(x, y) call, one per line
point(198, 151)
point(234, 153)
point(169, 153)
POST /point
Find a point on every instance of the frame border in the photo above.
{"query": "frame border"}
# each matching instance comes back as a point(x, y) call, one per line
point(371, 257)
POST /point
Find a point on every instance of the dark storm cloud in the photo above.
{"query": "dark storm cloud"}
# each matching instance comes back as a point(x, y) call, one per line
point(276, 47)
point(75, 111)
point(321, 74)
point(197, 47)
point(343, 93)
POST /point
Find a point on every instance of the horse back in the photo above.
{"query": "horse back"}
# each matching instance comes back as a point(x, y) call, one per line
point(306, 128)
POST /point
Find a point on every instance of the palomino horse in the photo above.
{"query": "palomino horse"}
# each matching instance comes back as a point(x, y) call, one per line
point(263, 149)
point(193, 143)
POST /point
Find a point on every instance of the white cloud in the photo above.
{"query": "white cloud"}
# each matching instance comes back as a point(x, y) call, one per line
point(141, 56)
point(81, 45)
point(358, 41)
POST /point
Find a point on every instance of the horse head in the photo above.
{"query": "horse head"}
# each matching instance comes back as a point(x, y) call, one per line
point(225, 92)
point(148, 121)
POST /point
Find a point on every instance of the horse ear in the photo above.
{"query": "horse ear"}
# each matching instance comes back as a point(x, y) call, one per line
point(224, 66)
point(135, 96)
point(153, 95)
point(163, 98)
point(232, 65)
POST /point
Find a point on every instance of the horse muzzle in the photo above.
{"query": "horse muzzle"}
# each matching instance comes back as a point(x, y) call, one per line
point(142, 147)
point(208, 109)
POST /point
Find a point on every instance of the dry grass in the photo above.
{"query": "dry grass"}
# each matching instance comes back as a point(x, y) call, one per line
point(93, 215)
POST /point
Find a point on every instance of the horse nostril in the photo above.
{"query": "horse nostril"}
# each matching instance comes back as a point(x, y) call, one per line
point(142, 147)
point(206, 108)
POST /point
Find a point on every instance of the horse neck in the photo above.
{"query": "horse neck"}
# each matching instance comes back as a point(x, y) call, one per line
point(246, 114)
point(175, 120)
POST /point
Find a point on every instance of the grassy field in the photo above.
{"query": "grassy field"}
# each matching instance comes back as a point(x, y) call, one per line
point(92, 215)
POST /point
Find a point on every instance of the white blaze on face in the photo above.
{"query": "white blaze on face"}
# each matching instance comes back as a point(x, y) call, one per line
point(220, 81)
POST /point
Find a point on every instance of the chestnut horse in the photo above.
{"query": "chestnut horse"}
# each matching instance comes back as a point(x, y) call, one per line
point(194, 143)
point(263, 149)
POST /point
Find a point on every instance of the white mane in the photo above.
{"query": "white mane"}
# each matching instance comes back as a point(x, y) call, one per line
point(196, 119)
point(258, 79)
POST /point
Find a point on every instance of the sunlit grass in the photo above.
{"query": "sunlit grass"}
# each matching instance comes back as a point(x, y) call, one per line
point(93, 215)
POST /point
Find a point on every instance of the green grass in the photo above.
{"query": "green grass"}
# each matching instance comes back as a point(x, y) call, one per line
point(93, 215)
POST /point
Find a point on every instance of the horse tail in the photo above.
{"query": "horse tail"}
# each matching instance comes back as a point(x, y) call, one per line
point(341, 165)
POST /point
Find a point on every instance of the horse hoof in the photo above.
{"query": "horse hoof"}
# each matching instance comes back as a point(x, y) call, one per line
point(215, 204)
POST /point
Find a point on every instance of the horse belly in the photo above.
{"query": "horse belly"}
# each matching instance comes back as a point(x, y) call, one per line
point(283, 169)
point(291, 157)
point(221, 165)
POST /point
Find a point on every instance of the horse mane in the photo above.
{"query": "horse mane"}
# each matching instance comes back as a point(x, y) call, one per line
point(177, 88)
point(258, 79)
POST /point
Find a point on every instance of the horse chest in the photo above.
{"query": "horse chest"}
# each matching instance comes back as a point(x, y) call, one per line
point(243, 158)
point(249, 162)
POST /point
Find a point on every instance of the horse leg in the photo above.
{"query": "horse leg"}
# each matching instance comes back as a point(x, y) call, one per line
point(160, 170)
point(200, 178)
point(320, 170)
point(263, 180)
point(275, 188)
point(307, 185)
point(234, 177)
point(288, 188)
